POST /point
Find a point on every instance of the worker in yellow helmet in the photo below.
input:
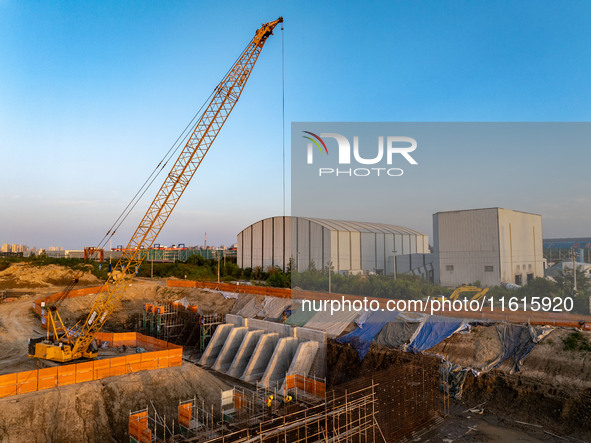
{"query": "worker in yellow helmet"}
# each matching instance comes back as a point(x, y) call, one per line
point(287, 398)
point(269, 401)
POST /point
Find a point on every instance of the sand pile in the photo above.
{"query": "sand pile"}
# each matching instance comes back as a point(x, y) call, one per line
point(20, 275)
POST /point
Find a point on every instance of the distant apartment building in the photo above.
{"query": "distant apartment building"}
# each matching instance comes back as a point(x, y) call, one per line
point(5, 248)
point(19, 248)
point(492, 245)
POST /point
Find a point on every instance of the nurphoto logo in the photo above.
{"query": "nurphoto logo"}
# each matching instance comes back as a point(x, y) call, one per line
point(395, 145)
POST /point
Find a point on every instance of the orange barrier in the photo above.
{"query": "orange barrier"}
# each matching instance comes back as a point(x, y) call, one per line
point(302, 383)
point(185, 414)
point(138, 428)
point(241, 289)
point(166, 355)
point(536, 318)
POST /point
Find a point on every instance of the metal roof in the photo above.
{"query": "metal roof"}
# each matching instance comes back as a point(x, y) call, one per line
point(354, 226)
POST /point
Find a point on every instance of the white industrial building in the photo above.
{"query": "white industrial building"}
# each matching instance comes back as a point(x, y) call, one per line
point(349, 247)
point(493, 245)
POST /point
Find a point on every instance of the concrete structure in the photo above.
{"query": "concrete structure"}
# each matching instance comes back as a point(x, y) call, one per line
point(492, 245)
point(259, 350)
point(215, 344)
point(244, 353)
point(230, 348)
point(260, 357)
point(349, 247)
point(304, 358)
point(280, 361)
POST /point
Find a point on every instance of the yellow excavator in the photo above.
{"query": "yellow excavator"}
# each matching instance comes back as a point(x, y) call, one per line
point(63, 344)
point(479, 292)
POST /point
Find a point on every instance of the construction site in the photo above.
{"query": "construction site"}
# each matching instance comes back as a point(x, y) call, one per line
point(142, 360)
point(191, 361)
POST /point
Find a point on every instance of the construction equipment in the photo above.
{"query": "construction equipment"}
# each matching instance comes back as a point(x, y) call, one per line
point(480, 292)
point(70, 344)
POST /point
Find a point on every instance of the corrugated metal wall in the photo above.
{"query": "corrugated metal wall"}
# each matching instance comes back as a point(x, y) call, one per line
point(269, 242)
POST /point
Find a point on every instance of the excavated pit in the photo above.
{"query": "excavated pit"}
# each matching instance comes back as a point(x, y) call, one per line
point(551, 392)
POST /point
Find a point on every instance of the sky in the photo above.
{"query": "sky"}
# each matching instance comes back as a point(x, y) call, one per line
point(93, 93)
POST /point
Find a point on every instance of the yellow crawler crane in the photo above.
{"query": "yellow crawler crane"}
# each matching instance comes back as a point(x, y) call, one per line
point(65, 345)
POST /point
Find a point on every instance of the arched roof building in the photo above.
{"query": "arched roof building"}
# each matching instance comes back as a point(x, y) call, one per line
point(348, 246)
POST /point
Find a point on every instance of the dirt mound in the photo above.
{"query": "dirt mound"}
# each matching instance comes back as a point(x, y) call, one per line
point(98, 411)
point(23, 275)
point(139, 292)
point(473, 350)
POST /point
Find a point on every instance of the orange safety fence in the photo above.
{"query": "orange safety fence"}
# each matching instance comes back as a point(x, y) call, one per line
point(185, 414)
point(302, 383)
point(540, 318)
point(138, 427)
point(243, 289)
point(30, 381)
point(134, 339)
point(240, 401)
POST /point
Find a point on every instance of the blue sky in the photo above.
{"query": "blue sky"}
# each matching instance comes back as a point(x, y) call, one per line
point(92, 94)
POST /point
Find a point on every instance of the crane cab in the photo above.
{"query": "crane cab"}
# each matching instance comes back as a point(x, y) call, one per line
point(47, 349)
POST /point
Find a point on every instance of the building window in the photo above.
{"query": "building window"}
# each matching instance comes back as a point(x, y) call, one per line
point(488, 269)
point(530, 277)
point(529, 266)
point(449, 267)
point(518, 279)
point(518, 267)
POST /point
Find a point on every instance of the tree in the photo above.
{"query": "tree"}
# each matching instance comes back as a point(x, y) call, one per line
point(565, 281)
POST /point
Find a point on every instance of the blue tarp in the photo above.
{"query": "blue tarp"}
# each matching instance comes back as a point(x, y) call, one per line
point(518, 341)
point(433, 331)
point(362, 337)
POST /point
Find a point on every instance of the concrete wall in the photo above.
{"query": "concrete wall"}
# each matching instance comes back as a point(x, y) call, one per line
point(244, 347)
point(280, 362)
point(486, 245)
point(230, 348)
point(521, 252)
point(261, 356)
point(244, 353)
point(466, 242)
point(216, 344)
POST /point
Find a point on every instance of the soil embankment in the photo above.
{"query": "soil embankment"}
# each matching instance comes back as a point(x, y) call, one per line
point(98, 411)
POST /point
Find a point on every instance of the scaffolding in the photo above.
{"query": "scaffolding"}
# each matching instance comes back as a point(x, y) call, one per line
point(400, 403)
point(348, 417)
point(179, 324)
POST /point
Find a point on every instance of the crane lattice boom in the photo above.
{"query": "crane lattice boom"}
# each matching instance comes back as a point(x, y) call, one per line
point(225, 96)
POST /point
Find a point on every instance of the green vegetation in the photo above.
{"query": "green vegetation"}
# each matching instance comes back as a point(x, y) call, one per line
point(195, 268)
point(577, 342)
point(402, 287)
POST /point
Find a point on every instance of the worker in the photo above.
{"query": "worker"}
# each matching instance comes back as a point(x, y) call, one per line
point(287, 398)
point(269, 401)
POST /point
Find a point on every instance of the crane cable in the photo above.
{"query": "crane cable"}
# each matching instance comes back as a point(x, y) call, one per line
point(283, 105)
point(160, 166)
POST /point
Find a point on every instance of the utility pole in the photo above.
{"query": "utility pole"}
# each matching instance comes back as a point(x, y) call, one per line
point(394, 263)
point(574, 254)
point(217, 254)
point(330, 277)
